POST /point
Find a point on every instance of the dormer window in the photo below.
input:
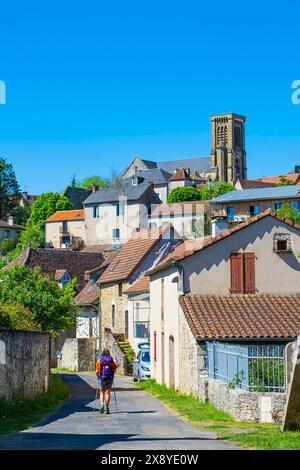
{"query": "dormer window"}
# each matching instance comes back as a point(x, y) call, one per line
point(282, 243)
point(134, 180)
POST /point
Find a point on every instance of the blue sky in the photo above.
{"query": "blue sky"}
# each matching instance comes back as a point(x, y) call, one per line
point(92, 84)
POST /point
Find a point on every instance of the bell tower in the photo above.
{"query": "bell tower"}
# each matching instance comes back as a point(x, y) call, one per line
point(228, 154)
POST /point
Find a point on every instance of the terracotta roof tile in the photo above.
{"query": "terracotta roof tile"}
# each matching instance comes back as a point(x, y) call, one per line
point(180, 175)
point(254, 184)
point(293, 177)
point(242, 316)
point(88, 295)
point(132, 254)
point(190, 247)
point(60, 216)
point(139, 287)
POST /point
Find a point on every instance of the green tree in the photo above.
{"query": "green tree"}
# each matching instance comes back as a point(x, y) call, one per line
point(9, 189)
point(7, 245)
point(95, 180)
point(52, 307)
point(184, 194)
point(21, 214)
point(18, 317)
point(215, 189)
point(284, 181)
point(290, 213)
point(46, 205)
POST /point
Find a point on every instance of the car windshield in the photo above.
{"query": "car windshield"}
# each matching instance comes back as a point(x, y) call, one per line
point(146, 356)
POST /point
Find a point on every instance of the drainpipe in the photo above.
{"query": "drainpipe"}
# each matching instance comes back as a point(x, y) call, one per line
point(180, 270)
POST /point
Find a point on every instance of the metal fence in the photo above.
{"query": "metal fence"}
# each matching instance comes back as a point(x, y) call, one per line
point(258, 368)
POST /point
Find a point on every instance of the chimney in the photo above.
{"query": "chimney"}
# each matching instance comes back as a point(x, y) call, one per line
point(188, 170)
point(95, 188)
point(175, 171)
point(218, 225)
point(10, 220)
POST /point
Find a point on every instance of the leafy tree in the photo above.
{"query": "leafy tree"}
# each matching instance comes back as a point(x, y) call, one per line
point(184, 194)
point(7, 245)
point(18, 317)
point(284, 181)
point(9, 189)
point(45, 205)
point(95, 180)
point(52, 307)
point(215, 189)
point(21, 214)
point(290, 213)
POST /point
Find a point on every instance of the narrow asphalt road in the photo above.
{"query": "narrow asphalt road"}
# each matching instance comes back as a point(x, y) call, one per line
point(141, 422)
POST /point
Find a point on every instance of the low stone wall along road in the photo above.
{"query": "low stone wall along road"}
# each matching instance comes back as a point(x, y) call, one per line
point(141, 422)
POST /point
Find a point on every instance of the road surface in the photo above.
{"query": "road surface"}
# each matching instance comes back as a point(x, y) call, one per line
point(141, 422)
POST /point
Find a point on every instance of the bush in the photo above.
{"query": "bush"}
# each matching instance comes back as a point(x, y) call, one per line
point(18, 317)
point(185, 194)
point(52, 307)
point(7, 245)
point(216, 188)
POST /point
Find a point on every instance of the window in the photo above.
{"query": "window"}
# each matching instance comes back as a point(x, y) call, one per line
point(65, 226)
point(295, 205)
point(282, 242)
point(116, 233)
point(135, 181)
point(113, 315)
point(230, 214)
point(254, 210)
point(120, 289)
point(153, 225)
point(117, 210)
point(278, 205)
point(172, 215)
point(18, 234)
point(95, 212)
point(7, 233)
point(242, 272)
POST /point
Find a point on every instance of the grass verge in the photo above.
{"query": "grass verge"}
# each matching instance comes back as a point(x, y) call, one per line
point(206, 416)
point(20, 414)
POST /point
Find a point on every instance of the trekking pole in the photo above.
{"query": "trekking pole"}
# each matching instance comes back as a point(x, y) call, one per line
point(115, 395)
point(97, 393)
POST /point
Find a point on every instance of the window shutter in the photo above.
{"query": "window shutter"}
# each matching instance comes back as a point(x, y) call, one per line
point(155, 346)
point(236, 269)
point(249, 273)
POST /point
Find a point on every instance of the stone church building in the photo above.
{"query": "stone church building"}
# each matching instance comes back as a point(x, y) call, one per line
point(227, 161)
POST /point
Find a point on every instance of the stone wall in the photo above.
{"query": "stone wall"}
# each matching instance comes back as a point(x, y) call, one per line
point(24, 363)
point(79, 354)
point(111, 343)
point(110, 296)
point(58, 342)
point(243, 405)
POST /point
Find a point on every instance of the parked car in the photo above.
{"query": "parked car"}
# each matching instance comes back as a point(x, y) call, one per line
point(141, 366)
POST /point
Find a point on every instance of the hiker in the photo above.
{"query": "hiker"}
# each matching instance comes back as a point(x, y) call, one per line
point(105, 371)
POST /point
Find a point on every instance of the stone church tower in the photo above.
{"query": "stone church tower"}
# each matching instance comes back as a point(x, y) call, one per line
point(228, 154)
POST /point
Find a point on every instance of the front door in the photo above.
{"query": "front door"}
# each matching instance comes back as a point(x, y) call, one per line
point(171, 362)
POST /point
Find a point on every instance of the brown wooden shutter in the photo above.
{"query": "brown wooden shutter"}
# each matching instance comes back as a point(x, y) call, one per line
point(249, 273)
point(236, 270)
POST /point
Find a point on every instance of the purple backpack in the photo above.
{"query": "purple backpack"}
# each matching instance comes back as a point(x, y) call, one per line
point(107, 370)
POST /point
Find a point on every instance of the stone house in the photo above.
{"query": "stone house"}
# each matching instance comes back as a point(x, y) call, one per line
point(112, 215)
point(222, 297)
point(144, 250)
point(10, 230)
point(237, 206)
point(66, 229)
point(139, 311)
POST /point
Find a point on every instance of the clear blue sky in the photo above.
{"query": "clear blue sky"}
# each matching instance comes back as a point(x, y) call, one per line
point(92, 84)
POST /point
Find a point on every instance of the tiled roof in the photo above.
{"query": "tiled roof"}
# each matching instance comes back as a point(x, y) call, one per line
point(179, 208)
point(180, 175)
point(275, 192)
point(139, 287)
point(197, 163)
point(254, 184)
point(75, 262)
point(294, 177)
point(153, 175)
point(71, 215)
point(242, 316)
point(189, 247)
point(131, 192)
point(76, 196)
point(88, 295)
point(132, 254)
point(4, 224)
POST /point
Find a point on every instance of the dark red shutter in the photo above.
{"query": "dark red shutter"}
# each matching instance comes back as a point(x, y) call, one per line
point(249, 273)
point(236, 272)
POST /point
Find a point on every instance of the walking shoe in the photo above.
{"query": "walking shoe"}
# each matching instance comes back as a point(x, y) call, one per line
point(102, 409)
point(107, 411)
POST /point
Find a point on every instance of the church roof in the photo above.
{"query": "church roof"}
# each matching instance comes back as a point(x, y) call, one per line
point(198, 163)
